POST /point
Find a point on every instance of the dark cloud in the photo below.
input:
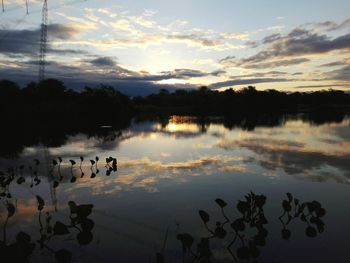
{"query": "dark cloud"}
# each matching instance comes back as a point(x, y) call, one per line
point(278, 63)
point(271, 38)
point(321, 86)
point(27, 41)
point(252, 44)
point(237, 82)
point(196, 39)
point(286, 50)
point(103, 62)
point(227, 59)
point(339, 74)
point(189, 73)
point(260, 75)
point(129, 82)
point(332, 26)
point(334, 64)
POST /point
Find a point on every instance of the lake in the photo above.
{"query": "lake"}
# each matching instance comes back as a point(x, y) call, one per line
point(268, 190)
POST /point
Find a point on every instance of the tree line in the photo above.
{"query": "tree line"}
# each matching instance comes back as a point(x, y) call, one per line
point(52, 100)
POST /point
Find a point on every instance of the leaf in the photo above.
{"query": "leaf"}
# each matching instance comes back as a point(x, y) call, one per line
point(262, 220)
point(321, 212)
point(286, 234)
point(92, 162)
point(72, 162)
point(41, 203)
point(84, 237)
point(54, 162)
point(10, 210)
point(238, 225)
point(310, 231)
point(60, 159)
point(97, 159)
point(301, 208)
point(21, 180)
point(220, 232)
point(317, 205)
point(87, 224)
point(60, 229)
point(311, 207)
point(242, 206)
point(290, 197)
point(296, 201)
point(221, 202)
point(204, 216)
point(81, 158)
point(303, 218)
point(73, 207)
point(186, 240)
point(286, 206)
point(84, 210)
point(260, 200)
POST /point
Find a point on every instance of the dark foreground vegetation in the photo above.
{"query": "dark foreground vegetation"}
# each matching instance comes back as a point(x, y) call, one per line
point(48, 112)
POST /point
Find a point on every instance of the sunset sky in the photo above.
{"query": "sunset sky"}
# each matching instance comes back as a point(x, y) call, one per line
point(141, 46)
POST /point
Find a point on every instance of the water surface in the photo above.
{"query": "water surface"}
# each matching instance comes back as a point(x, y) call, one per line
point(167, 171)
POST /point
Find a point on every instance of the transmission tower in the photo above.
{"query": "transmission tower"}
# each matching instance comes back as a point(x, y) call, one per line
point(43, 41)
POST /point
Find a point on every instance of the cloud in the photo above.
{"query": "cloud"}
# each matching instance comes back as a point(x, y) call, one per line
point(77, 77)
point(293, 157)
point(339, 74)
point(286, 50)
point(231, 61)
point(322, 86)
point(239, 36)
point(332, 26)
point(103, 62)
point(27, 41)
point(237, 82)
point(334, 64)
point(189, 73)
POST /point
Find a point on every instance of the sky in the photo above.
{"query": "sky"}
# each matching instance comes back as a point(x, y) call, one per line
point(144, 45)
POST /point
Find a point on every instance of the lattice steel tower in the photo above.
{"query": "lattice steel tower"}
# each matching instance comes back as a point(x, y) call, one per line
point(43, 41)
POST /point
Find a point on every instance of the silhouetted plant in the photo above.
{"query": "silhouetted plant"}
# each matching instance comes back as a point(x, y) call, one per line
point(81, 170)
point(73, 178)
point(249, 232)
point(111, 167)
point(310, 213)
